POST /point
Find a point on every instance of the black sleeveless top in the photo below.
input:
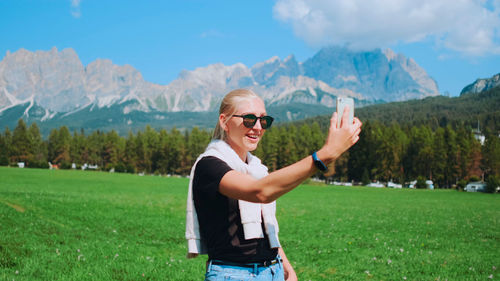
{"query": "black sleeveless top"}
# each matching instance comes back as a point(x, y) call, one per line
point(219, 218)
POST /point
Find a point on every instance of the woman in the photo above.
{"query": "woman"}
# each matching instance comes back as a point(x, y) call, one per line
point(231, 199)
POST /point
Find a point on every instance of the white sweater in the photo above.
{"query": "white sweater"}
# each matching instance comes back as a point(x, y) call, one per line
point(251, 213)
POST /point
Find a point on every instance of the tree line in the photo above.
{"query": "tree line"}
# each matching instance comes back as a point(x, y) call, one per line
point(385, 153)
point(467, 110)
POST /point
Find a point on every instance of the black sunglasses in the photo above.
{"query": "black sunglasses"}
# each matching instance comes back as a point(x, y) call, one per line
point(249, 120)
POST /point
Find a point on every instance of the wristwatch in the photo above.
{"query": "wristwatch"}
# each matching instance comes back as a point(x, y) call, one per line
point(321, 166)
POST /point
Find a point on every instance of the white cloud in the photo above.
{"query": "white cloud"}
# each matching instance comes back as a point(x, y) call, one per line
point(75, 8)
point(471, 27)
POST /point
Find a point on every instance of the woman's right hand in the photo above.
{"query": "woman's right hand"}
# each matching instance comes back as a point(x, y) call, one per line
point(340, 138)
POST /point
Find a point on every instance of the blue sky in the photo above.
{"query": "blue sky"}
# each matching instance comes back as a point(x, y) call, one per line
point(456, 42)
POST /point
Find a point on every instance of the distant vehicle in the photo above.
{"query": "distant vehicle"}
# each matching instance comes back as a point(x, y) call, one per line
point(376, 184)
point(475, 187)
point(89, 167)
point(394, 185)
point(429, 183)
point(342, 183)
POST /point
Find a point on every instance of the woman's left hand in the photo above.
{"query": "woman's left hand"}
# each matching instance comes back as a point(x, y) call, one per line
point(289, 272)
point(287, 267)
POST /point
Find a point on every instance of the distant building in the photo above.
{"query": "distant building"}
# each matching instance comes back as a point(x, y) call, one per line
point(478, 135)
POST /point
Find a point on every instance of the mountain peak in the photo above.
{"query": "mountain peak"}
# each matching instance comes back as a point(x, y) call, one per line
point(273, 59)
point(481, 85)
point(290, 57)
point(390, 54)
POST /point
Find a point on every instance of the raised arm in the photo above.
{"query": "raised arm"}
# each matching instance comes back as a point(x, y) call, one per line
point(242, 186)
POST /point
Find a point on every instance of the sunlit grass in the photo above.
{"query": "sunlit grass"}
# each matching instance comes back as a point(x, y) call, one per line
point(75, 225)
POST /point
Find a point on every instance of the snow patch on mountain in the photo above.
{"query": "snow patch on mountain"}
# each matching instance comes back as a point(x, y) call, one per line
point(8, 99)
point(13, 102)
point(31, 102)
point(48, 115)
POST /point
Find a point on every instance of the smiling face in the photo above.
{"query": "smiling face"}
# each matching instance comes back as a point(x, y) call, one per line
point(239, 137)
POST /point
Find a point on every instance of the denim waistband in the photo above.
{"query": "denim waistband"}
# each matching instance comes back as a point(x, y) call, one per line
point(247, 265)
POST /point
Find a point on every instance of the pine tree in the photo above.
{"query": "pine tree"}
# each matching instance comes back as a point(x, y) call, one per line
point(381, 154)
point(451, 170)
point(474, 168)
point(7, 139)
point(158, 158)
point(317, 136)
point(174, 152)
point(129, 158)
point(112, 149)
point(418, 159)
point(64, 148)
point(362, 155)
point(365, 178)
point(21, 149)
point(286, 153)
point(268, 149)
point(94, 146)
point(4, 151)
point(491, 155)
point(399, 150)
point(393, 142)
point(52, 145)
point(196, 144)
point(79, 153)
point(291, 149)
point(303, 141)
point(439, 161)
point(59, 146)
point(38, 147)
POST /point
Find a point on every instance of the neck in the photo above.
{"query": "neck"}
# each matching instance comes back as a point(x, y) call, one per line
point(241, 153)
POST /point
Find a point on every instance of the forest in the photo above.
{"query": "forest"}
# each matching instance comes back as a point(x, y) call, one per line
point(400, 142)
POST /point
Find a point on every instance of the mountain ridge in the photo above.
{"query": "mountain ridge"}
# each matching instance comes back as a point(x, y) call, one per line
point(60, 82)
point(481, 85)
point(58, 85)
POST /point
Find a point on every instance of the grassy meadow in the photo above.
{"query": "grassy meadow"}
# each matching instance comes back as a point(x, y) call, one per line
point(77, 225)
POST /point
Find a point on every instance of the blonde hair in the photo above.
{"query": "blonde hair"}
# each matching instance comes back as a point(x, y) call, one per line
point(229, 106)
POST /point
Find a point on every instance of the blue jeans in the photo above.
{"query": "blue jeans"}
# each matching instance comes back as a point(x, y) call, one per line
point(216, 272)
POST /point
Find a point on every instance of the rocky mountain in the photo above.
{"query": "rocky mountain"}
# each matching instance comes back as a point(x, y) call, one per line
point(58, 82)
point(54, 84)
point(481, 85)
point(376, 75)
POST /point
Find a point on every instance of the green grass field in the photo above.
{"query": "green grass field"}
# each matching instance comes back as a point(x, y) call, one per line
point(75, 225)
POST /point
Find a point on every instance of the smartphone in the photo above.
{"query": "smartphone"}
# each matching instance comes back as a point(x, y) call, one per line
point(342, 102)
